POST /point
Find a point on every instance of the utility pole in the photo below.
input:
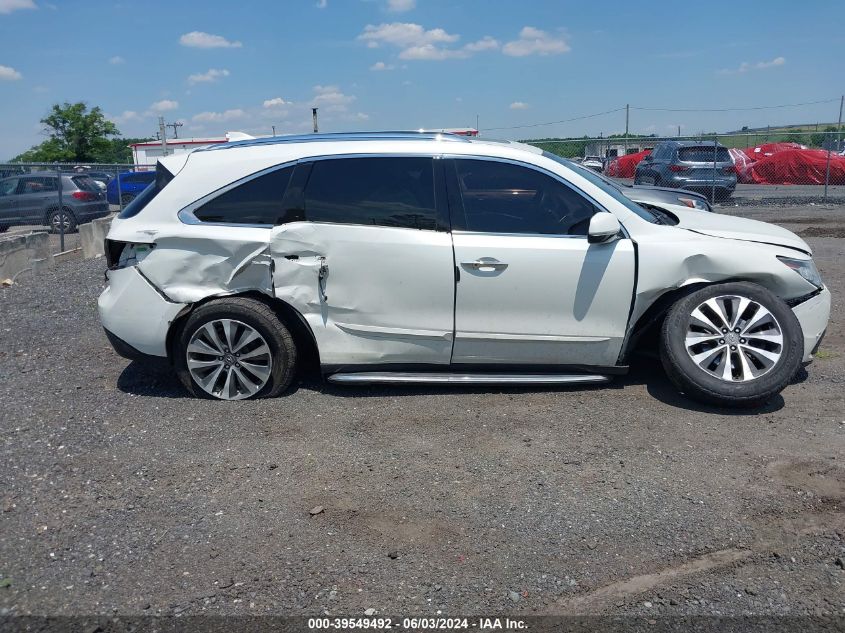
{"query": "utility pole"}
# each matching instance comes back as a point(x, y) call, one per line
point(274, 130)
point(476, 125)
point(627, 115)
point(314, 117)
point(830, 146)
point(679, 131)
point(162, 130)
point(175, 127)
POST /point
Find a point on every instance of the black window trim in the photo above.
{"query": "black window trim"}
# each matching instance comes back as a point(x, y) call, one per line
point(459, 214)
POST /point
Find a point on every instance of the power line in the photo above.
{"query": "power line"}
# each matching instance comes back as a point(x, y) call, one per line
point(597, 114)
point(771, 107)
point(577, 118)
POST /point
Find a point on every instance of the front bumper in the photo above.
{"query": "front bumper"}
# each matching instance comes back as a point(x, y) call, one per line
point(813, 316)
point(134, 312)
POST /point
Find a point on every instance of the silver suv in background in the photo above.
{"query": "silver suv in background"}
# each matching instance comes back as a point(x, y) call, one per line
point(34, 199)
point(702, 166)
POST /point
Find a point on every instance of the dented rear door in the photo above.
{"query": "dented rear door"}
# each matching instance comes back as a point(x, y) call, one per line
point(369, 267)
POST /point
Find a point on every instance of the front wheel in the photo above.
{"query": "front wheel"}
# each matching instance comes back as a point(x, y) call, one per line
point(126, 198)
point(234, 349)
point(733, 344)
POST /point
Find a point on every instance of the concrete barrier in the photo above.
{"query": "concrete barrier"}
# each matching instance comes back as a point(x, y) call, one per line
point(91, 236)
point(19, 253)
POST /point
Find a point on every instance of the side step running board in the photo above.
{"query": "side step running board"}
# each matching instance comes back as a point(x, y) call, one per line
point(465, 379)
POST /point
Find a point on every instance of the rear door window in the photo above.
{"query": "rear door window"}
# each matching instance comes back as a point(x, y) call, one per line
point(37, 184)
point(703, 154)
point(256, 201)
point(396, 192)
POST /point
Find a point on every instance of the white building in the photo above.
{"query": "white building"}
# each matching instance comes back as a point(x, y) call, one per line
point(145, 155)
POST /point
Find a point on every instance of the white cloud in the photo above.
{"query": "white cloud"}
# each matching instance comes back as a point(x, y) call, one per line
point(486, 43)
point(322, 4)
point(128, 116)
point(212, 75)
point(116, 60)
point(7, 73)
point(519, 105)
point(362, 116)
point(198, 39)
point(415, 42)
point(7, 6)
point(400, 6)
point(218, 117)
point(382, 66)
point(745, 67)
point(165, 105)
point(404, 35)
point(276, 102)
point(331, 99)
point(533, 41)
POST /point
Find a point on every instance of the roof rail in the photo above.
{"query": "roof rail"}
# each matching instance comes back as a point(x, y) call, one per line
point(402, 135)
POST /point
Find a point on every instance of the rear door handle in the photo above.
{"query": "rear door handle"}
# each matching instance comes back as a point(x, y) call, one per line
point(485, 264)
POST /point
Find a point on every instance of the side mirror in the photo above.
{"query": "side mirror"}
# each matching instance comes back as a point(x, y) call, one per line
point(604, 228)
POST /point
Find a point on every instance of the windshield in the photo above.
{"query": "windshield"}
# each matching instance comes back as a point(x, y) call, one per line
point(609, 188)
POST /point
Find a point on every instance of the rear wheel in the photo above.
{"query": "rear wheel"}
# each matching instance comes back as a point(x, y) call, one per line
point(61, 219)
point(647, 180)
point(126, 198)
point(235, 349)
point(734, 344)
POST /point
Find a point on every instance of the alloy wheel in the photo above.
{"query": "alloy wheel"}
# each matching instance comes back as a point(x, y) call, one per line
point(734, 338)
point(229, 359)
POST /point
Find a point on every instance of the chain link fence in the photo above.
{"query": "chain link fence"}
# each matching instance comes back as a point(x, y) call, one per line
point(58, 197)
point(747, 166)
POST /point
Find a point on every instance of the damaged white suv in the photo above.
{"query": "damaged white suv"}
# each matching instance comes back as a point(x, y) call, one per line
point(404, 257)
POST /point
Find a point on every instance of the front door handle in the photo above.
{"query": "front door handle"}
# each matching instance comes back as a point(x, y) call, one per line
point(485, 264)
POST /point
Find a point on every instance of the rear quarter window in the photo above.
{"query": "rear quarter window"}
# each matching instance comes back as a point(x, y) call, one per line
point(256, 201)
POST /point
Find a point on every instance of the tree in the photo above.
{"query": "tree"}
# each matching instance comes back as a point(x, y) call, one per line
point(76, 133)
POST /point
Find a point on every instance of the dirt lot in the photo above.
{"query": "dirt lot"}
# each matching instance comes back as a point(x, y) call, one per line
point(122, 495)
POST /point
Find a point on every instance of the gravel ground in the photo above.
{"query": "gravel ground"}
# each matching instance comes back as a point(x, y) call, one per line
point(122, 495)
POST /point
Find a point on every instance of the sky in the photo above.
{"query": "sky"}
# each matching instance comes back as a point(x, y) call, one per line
point(218, 66)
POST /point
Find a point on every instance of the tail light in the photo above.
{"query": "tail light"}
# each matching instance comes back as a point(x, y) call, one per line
point(678, 168)
point(84, 196)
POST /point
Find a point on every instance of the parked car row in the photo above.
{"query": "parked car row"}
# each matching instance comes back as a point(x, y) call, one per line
point(31, 198)
point(34, 199)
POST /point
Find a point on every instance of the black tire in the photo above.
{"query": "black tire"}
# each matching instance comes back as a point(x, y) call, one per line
point(698, 383)
point(126, 198)
point(255, 314)
point(56, 216)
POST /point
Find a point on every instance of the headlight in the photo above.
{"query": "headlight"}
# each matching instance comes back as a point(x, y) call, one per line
point(806, 268)
point(695, 203)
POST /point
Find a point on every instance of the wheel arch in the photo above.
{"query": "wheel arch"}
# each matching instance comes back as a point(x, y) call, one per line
point(303, 336)
point(649, 322)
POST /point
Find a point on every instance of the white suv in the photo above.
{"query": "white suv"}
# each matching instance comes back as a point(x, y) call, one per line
point(404, 257)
